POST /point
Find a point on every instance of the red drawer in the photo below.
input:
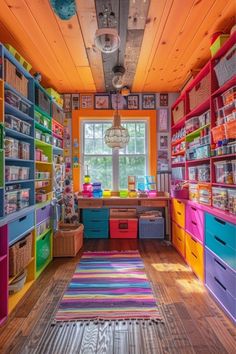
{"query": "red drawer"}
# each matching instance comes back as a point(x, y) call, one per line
point(123, 228)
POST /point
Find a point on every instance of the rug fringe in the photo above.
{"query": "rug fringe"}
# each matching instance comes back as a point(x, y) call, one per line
point(98, 321)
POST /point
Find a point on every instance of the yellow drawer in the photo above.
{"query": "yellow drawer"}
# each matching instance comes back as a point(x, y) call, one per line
point(178, 238)
point(178, 212)
point(195, 256)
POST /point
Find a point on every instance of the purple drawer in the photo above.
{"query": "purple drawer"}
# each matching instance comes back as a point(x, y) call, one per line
point(194, 222)
point(221, 293)
point(221, 271)
point(43, 213)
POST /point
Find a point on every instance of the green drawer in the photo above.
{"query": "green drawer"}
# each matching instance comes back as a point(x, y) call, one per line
point(43, 251)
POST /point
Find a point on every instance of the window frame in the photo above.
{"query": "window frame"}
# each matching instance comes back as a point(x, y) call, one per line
point(115, 153)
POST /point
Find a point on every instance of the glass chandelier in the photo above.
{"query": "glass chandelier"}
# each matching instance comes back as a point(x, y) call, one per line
point(116, 137)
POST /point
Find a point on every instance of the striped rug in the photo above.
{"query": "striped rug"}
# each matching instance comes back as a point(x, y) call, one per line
point(108, 286)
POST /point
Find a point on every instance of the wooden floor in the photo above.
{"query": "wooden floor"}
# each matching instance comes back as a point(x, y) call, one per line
point(192, 322)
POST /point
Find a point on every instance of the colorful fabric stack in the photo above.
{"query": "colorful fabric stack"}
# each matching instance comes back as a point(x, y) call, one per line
point(109, 286)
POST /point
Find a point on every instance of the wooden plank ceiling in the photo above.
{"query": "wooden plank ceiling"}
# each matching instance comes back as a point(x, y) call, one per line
point(161, 41)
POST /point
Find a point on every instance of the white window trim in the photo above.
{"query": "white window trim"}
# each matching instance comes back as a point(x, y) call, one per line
point(115, 153)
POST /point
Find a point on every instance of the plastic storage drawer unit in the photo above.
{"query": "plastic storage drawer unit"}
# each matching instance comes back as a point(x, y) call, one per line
point(151, 228)
point(123, 228)
point(95, 214)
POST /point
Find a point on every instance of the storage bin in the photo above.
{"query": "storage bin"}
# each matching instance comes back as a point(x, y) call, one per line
point(220, 198)
point(20, 255)
point(195, 256)
point(191, 125)
point(123, 193)
point(11, 147)
point(68, 240)
point(229, 95)
point(97, 193)
point(12, 173)
point(123, 213)
point(38, 154)
point(218, 133)
point(43, 227)
point(178, 238)
point(218, 43)
point(42, 100)
point(200, 92)
point(24, 150)
point(192, 173)
point(25, 107)
point(11, 202)
point(223, 172)
point(43, 251)
point(25, 127)
point(20, 226)
point(127, 228)
point(23, 198)
point(204, 194)
point(12, 99)
point(203, 173)
point(203, 152)
point(133, 194)
point(180, 194)
point(225, 68)
point(230, 129)
point(193, 192)
point(233, 162)
point(57, 113)
point(15, 78)
point(18, 57)
point(42, 196)
point(151, 228)
point(37, 134)
point(232, 201)
point(18, 283)
point(43, 213)
point(178, 112)
point(106, 193)
point(12, 122)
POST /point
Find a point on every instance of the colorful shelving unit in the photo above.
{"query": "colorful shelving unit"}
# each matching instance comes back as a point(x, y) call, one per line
point(199, 146)
point(25, 169)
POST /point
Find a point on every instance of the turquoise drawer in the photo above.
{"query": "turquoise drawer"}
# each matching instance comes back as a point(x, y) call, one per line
point(96, 233)
point(96, 224)
point(19, 227)
point(222, 229)
point(95, 214)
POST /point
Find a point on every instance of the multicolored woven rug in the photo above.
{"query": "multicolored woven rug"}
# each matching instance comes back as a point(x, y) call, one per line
point(108, 286)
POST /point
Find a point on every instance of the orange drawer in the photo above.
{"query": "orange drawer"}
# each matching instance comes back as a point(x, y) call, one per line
point(178, 238)
point(178, 212)
point(195, 256)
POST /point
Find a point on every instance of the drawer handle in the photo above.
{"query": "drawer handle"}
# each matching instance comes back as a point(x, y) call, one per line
point(194, 223)
point(193, 239)
point(43, 208)
point(220, 221)
point(22, 244)
point(193, 208)
point(219, 240)
point(220, 283)
point(178, 201)
point(221, 265)
point(23, 218)
point(179, 213)
point(179, 239)
point(194, 255)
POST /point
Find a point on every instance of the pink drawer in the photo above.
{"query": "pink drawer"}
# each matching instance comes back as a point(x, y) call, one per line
point(194, 222)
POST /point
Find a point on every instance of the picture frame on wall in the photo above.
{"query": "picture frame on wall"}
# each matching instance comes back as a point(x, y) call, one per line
point(163, 120)
point(118, 101)
point(164, 99)
point(67, 102)
point(163, 141)
point(133, 102)
point(86, 101)
point(148, 101)
point(101, 101)
point(75, 101)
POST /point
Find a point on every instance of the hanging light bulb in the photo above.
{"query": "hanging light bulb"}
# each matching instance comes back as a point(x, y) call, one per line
point(107, 40)
point(117, 80)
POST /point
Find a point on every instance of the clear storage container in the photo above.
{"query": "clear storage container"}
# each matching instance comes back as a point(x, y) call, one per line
point(234, 170)
point(11, 147)
point(10, 202)
point(24, 150)
point(219, 198)
point(223, 172)
point(203, 173)
point(12, 99)
point(191, 125)
point(193, 192)
point(12, 173)
point(204, 194)
point(192, 173)
point(203, 152)
point(12, 122)
point(23, 198)
point(24, 173)
point(25, 127)
point(37, 134)
point(25, 107)
point(232, 201)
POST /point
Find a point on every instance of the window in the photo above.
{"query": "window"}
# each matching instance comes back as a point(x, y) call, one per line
point(112, 167)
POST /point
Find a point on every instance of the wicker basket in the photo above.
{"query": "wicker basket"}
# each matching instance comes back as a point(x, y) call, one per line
point(68, 240)
point(200, 92)
point(178, 112)
point(123, 213)
point(226, 66)
point(20, 255)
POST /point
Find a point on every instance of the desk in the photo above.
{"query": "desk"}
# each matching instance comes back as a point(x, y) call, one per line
point(162, 201)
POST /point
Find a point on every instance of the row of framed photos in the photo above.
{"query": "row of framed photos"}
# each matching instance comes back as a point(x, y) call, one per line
point(113, 101)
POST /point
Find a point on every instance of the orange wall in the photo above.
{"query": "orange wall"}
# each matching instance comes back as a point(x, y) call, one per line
point(151, 116)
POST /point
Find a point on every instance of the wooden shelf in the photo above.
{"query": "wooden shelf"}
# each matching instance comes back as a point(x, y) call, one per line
point(12, 278)
point(15, 298)
point(193, 162)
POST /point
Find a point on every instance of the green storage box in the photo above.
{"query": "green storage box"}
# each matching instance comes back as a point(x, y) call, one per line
point(218, 43)
point(43, 251)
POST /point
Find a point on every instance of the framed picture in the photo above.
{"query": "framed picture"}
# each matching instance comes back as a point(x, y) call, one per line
point(67, 102)
point(163, 120)
point(164, 99)
point(163, 141)
point(86, 101)
point(133, 102)
point(101, 102)
point(163, 160)
point(149, 101)
point(118, 101)
point(75, 101)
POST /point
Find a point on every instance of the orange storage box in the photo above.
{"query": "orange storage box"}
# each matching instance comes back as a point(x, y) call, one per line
point(230, 129)
point(218, 133)
point(123, 228)
point(68, 240)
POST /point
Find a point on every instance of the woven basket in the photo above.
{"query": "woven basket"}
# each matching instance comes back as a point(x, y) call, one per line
point(200, 92)
point(226, 66)
point(20, 255)
point(68, 240)
point(178, 112)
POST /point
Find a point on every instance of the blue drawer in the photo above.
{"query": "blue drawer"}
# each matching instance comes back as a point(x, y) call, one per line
point(96, 233)
point(221, 293)
point(96, 224)
point(19, 227)
point(95, 214)
point(225, 230)
point(225, 275)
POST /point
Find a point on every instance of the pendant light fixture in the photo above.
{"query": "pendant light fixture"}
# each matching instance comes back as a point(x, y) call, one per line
point(116, 137)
